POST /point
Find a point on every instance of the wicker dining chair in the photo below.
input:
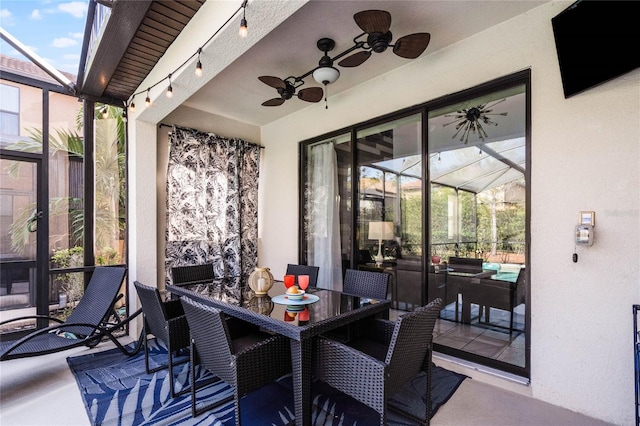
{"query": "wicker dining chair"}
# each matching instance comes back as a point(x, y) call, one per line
point(167, 322)
point(312, 271)
point(367, 284)
point(235, 351)
point(374, 285)
point(385, 357)
point(192, 274)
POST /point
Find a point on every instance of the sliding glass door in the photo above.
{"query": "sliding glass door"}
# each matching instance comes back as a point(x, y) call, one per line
point(389, 232)
point(478, 259)
point(437, 198)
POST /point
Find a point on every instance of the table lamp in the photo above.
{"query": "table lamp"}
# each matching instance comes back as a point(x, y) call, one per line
point(380, 231)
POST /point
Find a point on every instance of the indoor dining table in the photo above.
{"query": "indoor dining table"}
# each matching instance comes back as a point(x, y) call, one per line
point(301, 321)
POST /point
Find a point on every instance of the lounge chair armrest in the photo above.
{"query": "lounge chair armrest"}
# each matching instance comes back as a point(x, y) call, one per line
point(102, 329)
point(50, 329)
point(99, 333)
point(32, 317)
point(55, 327)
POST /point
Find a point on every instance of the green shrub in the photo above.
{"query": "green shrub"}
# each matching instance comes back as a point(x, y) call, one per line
point(108, 256)
point(71, 284)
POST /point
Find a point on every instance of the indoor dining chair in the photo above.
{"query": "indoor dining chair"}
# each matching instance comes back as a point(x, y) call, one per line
point(374, 366)
point(167, 322)
point(235, 351)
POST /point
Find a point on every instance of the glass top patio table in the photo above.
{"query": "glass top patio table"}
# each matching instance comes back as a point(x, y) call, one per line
point(300, 323)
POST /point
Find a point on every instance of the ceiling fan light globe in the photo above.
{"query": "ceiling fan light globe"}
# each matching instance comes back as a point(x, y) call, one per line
point(326, 75)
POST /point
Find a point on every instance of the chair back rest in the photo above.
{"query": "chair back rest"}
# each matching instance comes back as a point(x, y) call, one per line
point(153, 310)
point(192, 274)
point(96, 304)
point(411, 341)
point(211, 338)
point(465, 264)
point(366, 283)
point(312, 271)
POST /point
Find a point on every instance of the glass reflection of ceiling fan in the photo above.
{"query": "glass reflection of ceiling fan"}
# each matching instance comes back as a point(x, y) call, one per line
point(470, 120)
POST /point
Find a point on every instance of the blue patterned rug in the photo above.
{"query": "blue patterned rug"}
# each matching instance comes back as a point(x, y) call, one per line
point(117, 391)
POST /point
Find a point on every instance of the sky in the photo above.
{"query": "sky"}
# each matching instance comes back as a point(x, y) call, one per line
point(53, 29)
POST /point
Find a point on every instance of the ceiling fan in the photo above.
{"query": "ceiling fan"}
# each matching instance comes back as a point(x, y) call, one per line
point(287, 89)
point(323, 74)
point(376, 24)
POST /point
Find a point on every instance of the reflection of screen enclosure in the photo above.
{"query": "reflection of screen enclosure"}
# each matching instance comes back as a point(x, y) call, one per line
point(478, 186)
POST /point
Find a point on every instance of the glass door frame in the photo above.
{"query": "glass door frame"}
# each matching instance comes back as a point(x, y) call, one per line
point(502, 83)
point(42, 231)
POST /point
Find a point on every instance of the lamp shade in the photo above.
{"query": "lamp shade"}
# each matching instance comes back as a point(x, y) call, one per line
point(326, 75)
point(380, 230)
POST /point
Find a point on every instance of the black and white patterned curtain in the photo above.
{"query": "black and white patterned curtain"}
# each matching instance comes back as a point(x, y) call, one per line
point(212, 203)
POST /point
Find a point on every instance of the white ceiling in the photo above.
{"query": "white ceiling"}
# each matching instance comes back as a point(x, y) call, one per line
point(290, 49)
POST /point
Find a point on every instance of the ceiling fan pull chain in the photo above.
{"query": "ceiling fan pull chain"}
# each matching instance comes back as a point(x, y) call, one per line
point(326, 104)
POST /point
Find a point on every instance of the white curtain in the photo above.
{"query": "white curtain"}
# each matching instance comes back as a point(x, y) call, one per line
point(324, 216)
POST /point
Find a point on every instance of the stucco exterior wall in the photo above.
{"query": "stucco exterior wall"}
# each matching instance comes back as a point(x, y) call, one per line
point(585, 155)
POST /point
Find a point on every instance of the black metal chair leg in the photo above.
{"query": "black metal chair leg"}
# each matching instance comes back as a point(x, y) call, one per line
point(194, 387)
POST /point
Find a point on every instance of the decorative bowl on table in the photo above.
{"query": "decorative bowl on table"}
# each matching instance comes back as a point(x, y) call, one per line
point(294, 293)
point(294, 308)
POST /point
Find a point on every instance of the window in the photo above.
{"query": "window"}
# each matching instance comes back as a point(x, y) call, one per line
point(9, 113)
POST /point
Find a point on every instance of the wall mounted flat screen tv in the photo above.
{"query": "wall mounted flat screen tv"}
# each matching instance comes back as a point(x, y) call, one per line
point(596, 41)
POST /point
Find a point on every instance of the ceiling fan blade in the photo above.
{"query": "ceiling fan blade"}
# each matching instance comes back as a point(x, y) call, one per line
point(355, 59)
point(276, 82)
point(311, 94)
point(273, 102)
point(411, 46)
point(373, 21)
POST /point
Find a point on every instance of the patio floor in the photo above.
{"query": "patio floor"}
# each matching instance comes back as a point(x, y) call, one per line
point(42, 391)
